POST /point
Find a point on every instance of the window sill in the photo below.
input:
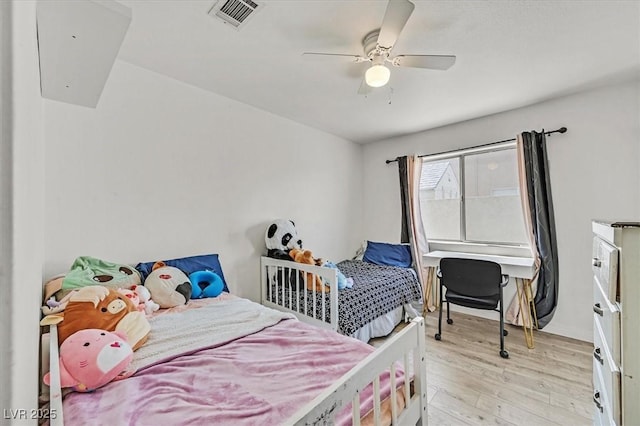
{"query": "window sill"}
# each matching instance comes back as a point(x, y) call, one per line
point(480, 248)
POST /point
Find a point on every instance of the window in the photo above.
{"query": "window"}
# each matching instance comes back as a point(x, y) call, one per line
point(473, 196)
point(440, 200)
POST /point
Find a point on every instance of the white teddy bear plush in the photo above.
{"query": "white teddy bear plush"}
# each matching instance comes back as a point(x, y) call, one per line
point(145, 299)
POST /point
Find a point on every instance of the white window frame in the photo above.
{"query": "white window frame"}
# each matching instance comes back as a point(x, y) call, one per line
point(462, 245)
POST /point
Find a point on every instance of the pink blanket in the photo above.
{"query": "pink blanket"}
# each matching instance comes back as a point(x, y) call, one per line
point(259, 379)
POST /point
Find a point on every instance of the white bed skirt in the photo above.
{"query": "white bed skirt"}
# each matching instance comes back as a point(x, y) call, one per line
point(385, 324)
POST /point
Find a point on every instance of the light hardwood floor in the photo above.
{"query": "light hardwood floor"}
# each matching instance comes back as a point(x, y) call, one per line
point(468, 383)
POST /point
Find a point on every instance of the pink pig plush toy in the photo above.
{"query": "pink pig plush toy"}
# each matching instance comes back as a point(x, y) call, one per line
point(144, 296)
point(133, 296)
point(91, 358)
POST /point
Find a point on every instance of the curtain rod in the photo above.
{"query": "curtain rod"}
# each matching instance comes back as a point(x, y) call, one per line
point(560, 130)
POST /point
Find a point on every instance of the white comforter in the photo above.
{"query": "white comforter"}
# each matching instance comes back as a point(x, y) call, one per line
point(205, 326)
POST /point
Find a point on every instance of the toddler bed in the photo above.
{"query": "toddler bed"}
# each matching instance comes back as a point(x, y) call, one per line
point(380, 297)
point(227, 360)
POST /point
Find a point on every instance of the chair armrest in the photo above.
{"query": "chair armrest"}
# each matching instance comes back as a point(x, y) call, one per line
point(505, 280)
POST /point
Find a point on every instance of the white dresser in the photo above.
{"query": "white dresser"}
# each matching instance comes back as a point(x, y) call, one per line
point(616, 322)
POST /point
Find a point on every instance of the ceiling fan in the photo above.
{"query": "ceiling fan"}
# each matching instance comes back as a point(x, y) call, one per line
point(378, 45)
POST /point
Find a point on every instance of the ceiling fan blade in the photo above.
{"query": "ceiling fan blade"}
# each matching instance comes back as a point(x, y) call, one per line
point(432, 62)
point(395, 18)
point(344, 57)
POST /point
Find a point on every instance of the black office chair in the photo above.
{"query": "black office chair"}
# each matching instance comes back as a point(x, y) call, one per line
point(474, 284)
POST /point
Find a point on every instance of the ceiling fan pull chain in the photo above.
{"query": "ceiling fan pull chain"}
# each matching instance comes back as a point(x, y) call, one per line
point(390, 94)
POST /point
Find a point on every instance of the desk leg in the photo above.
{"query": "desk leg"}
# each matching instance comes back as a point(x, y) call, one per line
point(430, 296)
point(527, 310)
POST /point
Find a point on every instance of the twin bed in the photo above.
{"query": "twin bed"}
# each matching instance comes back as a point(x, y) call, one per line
point(228, 360)
point(380, 298)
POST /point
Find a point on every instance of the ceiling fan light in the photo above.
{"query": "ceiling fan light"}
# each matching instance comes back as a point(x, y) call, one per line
point(377, 76)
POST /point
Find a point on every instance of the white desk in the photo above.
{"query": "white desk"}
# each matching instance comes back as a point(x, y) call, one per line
point(521, 268)
point(517, 267)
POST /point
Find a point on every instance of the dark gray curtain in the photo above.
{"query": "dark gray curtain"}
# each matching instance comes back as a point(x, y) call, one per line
point(404, 199)
point(544, 228)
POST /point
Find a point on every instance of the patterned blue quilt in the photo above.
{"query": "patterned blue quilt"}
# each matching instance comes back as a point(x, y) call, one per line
point(377, 290)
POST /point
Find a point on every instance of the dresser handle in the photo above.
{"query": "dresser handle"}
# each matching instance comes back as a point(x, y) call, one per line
point(596, 400)
point(597, 309)
point(596, 262)
point(598, 356)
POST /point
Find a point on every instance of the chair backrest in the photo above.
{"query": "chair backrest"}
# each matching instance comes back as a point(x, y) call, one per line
point(471, 277)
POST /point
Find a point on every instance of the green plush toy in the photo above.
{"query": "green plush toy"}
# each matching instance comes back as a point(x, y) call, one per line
point(87, 271)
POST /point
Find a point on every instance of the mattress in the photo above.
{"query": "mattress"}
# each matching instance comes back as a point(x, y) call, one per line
point(258, 376)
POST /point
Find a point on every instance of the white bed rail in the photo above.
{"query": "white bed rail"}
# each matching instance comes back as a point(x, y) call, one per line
point(308, 306)
point(408, 344)
point(55, 389)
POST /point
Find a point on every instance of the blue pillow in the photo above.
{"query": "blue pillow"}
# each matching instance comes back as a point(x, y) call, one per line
point(388, 254)
point(189, 265)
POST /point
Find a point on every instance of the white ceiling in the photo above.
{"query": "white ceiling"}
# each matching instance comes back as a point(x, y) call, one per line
point(509, 54)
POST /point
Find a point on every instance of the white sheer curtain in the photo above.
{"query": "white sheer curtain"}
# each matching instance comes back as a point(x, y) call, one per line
point(513, 313)
point(410, 169)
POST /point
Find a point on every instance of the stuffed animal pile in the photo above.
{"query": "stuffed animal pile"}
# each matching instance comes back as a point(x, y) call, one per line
point(102, 308)
point(283, 242)
point(99, 326)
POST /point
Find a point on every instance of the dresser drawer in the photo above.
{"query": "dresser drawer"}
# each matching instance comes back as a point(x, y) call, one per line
point(601, 410)
point(607, 315)
point(604, 263)
point(608, 370)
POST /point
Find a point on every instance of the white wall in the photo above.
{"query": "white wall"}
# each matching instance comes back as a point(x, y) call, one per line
point(21, 211)
point(594, 173)
point(6, 307)
point(161, 169)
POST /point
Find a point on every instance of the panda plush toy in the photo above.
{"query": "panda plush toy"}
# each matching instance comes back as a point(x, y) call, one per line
point(280, 238)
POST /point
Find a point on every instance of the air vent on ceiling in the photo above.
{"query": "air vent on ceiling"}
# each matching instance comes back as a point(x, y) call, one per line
point(235, 12)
